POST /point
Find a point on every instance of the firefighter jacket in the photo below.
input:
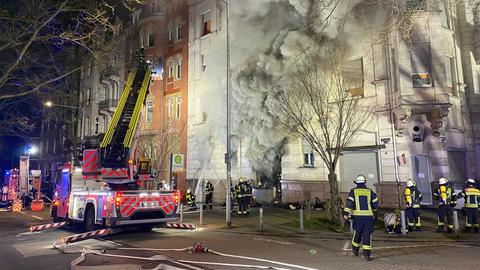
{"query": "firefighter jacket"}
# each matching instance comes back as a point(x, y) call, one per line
point(190, 198)
point(445, 196)
point(471, 196)
point(361, 201)
point(209, 188)
point(413, 197)
point(241, 190)
point(233, 191)
point(249, 190)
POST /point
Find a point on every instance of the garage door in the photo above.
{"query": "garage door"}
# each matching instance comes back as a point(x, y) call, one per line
point(354, 163)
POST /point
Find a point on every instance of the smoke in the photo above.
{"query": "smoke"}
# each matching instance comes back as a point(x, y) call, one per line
point(284, 30)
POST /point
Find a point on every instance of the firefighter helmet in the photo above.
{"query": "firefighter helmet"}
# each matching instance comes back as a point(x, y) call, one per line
point(189, 191)
point(470, 181)
point(410, 183)
point(442, 181)
point(361, 179)
point(243, 179)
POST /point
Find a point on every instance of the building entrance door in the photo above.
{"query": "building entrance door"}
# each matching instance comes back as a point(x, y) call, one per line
point(422, 175)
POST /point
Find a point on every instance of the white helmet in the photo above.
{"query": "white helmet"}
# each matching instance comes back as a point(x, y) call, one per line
point(410, 183)
point(470, 181)
point(442, 181)
point(189, 191)
point(361, 179)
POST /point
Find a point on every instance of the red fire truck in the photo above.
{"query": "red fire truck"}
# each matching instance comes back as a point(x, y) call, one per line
point(105, 191)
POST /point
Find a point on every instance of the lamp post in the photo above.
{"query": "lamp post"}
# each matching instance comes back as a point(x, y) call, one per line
point(228, 156)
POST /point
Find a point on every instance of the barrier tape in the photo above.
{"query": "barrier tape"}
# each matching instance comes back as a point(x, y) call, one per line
point(47, 226)
point(84, 236)
point(181, 226)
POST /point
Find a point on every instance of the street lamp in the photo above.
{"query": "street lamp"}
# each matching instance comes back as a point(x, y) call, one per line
point(228, 156)
point(32, 150)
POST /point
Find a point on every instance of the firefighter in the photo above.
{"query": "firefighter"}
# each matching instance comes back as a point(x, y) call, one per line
point(471, 195)
point(241, 191)
point(413, 197)
point(446, 201)
point(208, 195)
point(233, 196)
point(248, 197)
point(190, 197)
point(361, 204)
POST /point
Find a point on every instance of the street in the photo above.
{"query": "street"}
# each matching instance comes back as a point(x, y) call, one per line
point(238, 248)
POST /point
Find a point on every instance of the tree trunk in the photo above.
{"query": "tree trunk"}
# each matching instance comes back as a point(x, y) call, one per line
point(335, 209)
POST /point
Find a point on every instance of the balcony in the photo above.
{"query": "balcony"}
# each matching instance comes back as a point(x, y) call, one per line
point(107, 105)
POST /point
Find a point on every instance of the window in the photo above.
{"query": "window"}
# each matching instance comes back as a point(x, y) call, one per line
point(96, 125)
point(202, 61)
point(82, 73)
point(416, 5)
point(206, 23)
point(308, 156)
point(178, 32)
point(449, 73)
point(178, 69)
point(476, 80)
point(170, 68)
point(178, 106)
point(151, 40)
point(353, 77)
point(90, 71)
point(149, 111)
point(170, 106)
point(444, 14)
point(87, 96)
point(170, 34)
point(86, 128)
point(421, 61)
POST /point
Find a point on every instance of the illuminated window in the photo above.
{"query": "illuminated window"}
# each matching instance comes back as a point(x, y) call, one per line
point(206, 23)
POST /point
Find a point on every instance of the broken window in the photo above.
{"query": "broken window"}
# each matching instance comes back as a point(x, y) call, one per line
point(421, 61)
point(353, 77)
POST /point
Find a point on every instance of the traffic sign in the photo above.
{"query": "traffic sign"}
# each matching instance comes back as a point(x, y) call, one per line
point(177, 162)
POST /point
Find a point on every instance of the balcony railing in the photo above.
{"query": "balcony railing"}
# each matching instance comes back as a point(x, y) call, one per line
point(107, 104)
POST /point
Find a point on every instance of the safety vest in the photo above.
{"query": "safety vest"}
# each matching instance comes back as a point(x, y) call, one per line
point(190, 198)
point(471, 196)
point(209, 188)
point(361, 201)
point(413, 197)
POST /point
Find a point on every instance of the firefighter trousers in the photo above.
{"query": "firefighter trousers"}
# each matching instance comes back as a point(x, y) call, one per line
point(362, 233)
point(208, 200)
point(413, 216)
point(445, 211)
point(471, 216)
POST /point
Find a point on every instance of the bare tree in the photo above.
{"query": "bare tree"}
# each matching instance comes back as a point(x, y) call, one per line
point(157, 146)
point(323, 106)
point(40, 46)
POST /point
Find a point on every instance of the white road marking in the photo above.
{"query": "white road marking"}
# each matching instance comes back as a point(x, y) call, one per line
point(37, 217)
point(346, 245)
point(273, 241)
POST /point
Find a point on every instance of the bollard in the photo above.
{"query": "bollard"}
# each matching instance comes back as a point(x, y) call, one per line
point(403, 222)
point(455, 222)
point(261, 218)
point(201, 214)
point(301, 220)
point(181, 213)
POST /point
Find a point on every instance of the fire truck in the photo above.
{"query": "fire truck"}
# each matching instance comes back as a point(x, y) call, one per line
point(105, 190)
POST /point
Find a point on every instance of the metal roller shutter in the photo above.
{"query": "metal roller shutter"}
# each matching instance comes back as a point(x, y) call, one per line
point(354, 163)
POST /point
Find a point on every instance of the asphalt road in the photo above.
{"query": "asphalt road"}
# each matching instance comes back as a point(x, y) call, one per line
point(236, 250)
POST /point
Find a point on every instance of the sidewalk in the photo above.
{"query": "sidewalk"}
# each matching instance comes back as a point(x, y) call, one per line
point(279, 222)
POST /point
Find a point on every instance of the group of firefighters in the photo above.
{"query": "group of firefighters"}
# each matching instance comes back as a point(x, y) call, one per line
point(242, 192)
point(362, 202)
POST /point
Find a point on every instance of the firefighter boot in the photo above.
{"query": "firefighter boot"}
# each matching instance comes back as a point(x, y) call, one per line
point(366, 253)
point(355, 251)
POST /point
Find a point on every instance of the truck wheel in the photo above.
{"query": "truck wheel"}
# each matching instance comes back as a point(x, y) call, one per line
point(89, 220)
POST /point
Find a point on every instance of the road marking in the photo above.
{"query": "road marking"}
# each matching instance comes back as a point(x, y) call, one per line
point(37, 217)
point(273, 241)
point(346, 245)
